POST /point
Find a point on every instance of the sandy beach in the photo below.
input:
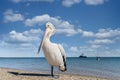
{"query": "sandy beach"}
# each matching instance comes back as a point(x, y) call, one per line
point(13, 74)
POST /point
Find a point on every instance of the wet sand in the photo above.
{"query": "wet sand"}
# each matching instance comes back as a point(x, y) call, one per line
point(13, 74)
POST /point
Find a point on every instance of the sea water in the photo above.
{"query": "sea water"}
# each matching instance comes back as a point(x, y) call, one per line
point(105, 67)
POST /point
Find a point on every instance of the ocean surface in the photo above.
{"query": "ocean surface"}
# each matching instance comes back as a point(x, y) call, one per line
point(105, 67)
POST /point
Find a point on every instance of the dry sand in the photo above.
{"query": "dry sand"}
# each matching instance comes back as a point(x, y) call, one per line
point(12, 74)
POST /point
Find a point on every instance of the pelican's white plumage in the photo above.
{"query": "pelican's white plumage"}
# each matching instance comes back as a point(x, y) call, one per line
point(54, 53)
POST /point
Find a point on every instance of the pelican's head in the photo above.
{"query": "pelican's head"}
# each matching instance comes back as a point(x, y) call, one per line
point(50, 30)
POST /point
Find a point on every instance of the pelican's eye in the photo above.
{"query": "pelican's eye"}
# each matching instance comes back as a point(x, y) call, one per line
point(49, 27)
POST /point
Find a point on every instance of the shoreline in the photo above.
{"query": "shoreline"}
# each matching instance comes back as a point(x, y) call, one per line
point(16, 74)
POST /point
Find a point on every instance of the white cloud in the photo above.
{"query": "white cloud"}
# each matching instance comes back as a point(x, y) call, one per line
point(74, 49)
point(21, 44)
point(94, 2)
point(40, 20)
point(62, 26)
point(10, 16)
point(68, 32)
point(107, 33)
point(69, 3)
point(101, 41)
point(87, 34)
point(17, 1)
point(102, 37)
point(66, 3)
point(23, 37)
point(96, 46)
point(79, 30)
point(102, 33)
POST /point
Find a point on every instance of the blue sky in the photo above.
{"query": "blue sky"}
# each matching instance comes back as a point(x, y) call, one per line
point(91, 27)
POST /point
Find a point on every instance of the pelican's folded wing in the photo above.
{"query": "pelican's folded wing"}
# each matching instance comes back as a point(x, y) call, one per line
point(63, 56)
point(62, 51)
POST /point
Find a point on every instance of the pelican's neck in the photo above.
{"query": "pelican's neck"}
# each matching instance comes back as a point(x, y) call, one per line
point(46, 43)
point(47, 40)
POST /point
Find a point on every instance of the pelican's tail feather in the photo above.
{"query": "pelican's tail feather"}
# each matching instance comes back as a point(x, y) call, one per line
point(63, 67)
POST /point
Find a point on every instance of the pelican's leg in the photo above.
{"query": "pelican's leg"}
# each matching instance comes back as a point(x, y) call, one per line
point(59, 73)
point(52, 71)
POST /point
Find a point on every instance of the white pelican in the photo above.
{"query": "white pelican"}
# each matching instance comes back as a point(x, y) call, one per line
point(54, 53)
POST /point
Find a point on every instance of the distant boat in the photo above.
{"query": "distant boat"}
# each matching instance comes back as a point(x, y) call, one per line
point(82, 56)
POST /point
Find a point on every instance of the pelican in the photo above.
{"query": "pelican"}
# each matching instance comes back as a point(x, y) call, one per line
point(54, 53)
